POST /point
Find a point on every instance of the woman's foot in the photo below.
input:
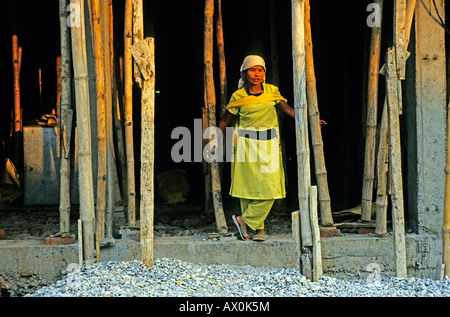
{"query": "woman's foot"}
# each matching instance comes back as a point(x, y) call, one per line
point(260, 235)
point(242, 227)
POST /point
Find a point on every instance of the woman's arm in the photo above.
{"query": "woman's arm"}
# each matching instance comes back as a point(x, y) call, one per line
point(285, 108)
point(226, 119)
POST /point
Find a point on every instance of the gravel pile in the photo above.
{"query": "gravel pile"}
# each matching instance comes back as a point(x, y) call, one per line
point(174, 278)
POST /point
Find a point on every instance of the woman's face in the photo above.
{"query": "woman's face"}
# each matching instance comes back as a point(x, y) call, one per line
point(255, 75)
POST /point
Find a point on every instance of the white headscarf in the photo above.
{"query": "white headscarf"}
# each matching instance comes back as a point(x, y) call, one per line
point(249, 62)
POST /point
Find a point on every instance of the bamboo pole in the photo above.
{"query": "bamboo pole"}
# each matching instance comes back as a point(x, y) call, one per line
point(210, 105)
point(98, 41)
point(222, 61)
point(382, 169)
point(87, 211)
point(314, 121)
point(301, 123)
point(144, 55)
point(395, 168)
point(66, 118)
point(128, 96)
point(371, 121)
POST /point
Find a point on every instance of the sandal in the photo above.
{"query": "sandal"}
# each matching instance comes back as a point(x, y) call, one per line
point(242, 230)
point(260, 237)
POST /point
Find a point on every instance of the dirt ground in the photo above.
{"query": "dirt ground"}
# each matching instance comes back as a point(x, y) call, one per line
point(20, 223)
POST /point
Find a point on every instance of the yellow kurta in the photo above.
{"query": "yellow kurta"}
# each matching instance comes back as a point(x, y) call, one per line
point(257, 171)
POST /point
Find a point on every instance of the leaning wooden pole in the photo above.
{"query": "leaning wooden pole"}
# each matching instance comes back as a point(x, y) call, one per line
point(128, 105)
point(98, 41)
point(222, 60)
point(87, 211)
point(210, 105)
point(326, 218)
point(382, 176)
point(112, 178)
point(395, 167)
point(371, 121)
point(144, 55)
point(66, 117)
point(301, 119)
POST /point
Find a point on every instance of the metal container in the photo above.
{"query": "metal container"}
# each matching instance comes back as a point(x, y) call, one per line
point(42, 168)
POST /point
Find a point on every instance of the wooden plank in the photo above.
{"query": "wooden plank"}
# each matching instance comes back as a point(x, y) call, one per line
point(80, 242)
point(301, 119)
point(295, 216)
point(144, 54)
point(395, 167)
point(98, 44)
point(317, 248)
point(128, 105)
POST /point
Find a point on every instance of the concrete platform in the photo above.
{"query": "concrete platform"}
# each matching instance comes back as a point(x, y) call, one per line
point(345, 257)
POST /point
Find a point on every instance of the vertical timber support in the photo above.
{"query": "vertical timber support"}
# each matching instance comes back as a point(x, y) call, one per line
point(144, 55)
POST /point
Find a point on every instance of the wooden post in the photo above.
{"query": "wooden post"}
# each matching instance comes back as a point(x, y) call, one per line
point(317, 249)
point(98, 41)
point(144, 55)
point(395, 168)
point(403, 15)
point(80, 242)
point(128, 80)
point(138, 34)
point(210, 105)
point(371, 121)
point(382, 169)
point(315, 128)
point(65, 114)
point(87, 212)
point(301, 123)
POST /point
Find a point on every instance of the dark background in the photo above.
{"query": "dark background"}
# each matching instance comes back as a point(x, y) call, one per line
point(341, 46)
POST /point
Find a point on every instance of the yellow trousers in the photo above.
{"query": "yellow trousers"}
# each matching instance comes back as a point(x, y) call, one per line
point(255, 211)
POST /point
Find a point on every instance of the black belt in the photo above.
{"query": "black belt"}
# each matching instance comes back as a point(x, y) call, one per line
point(258, 135)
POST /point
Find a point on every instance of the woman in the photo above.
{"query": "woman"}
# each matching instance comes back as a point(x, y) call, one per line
point(257, 171)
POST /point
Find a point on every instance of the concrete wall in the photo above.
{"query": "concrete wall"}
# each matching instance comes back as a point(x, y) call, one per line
point(430, 124)
point(27, 265)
